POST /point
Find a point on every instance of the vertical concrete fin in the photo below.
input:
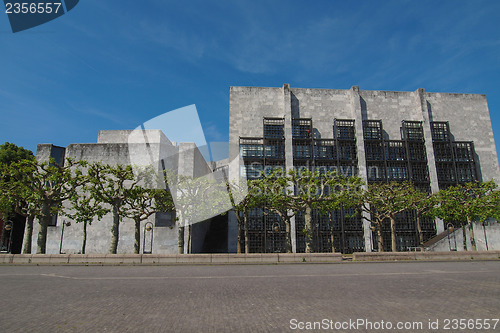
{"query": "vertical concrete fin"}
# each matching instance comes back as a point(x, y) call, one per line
point(423, 110)
point(360, 146)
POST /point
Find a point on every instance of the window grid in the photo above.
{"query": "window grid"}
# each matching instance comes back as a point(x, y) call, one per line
point(440, 131)
point(372, 129)
point(344, 129)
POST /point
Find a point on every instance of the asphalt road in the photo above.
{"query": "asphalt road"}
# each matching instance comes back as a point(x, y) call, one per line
point(251, 298)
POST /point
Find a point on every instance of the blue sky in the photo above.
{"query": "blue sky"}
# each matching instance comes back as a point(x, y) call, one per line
point(114, 64)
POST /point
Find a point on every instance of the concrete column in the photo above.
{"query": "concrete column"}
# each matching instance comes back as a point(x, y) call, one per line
point(360, 147)
point(287, 114)
point(422, 109)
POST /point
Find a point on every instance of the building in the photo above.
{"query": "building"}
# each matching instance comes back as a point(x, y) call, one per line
point(434, 139)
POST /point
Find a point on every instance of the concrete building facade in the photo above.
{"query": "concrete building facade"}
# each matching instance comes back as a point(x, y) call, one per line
point(433, 139)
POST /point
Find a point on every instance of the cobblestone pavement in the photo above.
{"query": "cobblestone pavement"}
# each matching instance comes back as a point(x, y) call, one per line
point(246, 298)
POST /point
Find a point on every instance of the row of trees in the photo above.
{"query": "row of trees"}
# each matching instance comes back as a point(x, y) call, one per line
point(287, 194)
point(80, 191)
point(85, 191)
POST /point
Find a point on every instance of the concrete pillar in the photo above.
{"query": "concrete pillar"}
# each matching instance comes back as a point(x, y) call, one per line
point(287, 113)
point(422, 109)
point(360, 147)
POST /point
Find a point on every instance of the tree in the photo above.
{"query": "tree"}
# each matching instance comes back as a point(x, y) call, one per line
point(342, 191)
point(384, 201)
point(272, 195)
point(11, 201)
point(112, 185)
point(83, 208)
point(10, 153)
point(242, 207)
point(43, 186)
point(196, 199)
point(468, 202)
point(141, 203)
point(423, 205)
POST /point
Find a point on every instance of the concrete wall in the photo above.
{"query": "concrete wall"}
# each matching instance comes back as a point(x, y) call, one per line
point(114, 148)
point(490, 235)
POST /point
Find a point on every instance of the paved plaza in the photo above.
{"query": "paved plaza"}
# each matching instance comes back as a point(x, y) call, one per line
point(248, 298)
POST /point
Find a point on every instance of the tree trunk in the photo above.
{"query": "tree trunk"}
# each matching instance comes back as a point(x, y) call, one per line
point(42, 234)
point(308, 228)
point(238, 245)
point(288, 237)
point(115, 231)
point(137, 234)
point(464, 234)
point(393, 235)
point(472, 238)
point(245, 227)
point(330, 216)
point(189, 239)
point(380, 239)
point(28, 235)
point(419, 230)
point(180, 240)
point(84, 242)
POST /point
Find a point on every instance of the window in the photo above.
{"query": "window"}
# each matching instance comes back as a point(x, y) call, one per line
point(373, 151)
point(466, 172)
point(395, 151)
point(164, 219)
point(250, 151)
point(301, 128)
point(396, 172)
point(464, 152)
point(252, 170)
point(347, 151)
point(344, 129)
point(440, 131)
point(372, 129)
point(274, 149)
point(443, 152)
point(302, 150)
point(274, 128)
point(419, 172)
point(416, 151)
point(413, 131)
point(325, 149)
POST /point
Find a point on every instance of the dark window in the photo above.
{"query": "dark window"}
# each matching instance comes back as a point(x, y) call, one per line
point(252, 170)
point(395, 151)
point(372, 130)
point(419, 172)
point(466, 172)
point(376, 172)
point(325, 149)
point(413, 131)
point(301, 128)
point(373, 151)
point(416, 151)
point(53, 221)
point(440, 131)
point(344, 129)
point(302, 149)
point(274, 128)
point(251, 151)
point(397, 172)
point(464, 152)
point(347, 150)
point(445, 172)
point(274, 149)
point(164, 219)
point(443, 152)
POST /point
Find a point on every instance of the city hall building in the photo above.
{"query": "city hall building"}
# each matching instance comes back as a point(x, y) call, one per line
point(432, 139)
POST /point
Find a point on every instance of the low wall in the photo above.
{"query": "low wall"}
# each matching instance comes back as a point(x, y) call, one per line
point(455, 255)
point(166, 259)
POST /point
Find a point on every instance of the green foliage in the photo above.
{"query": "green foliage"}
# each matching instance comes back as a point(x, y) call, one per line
point(10, 153)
